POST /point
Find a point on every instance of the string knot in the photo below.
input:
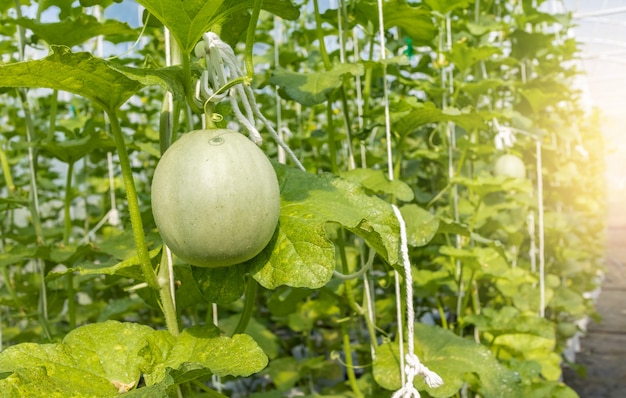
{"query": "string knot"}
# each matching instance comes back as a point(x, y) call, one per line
point(413, 367)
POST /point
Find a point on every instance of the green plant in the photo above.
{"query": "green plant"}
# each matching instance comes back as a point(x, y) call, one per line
point(88, 287)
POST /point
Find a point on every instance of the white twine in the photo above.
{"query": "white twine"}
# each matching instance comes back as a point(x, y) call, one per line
point(505, 137)
point(412, 367)
point(222, 69)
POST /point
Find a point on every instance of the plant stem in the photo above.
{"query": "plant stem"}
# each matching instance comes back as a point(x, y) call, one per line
point(332, 151)
point(133, 202)
point(349, 364)
point(67, 203)
point(166, 294)
point(249, 305)
point(71, 300)
point(52, 117)
point(442, 313)
point(189, 91)
point(254, 18)
point(6, 170)
point(341, 247)
point(168, 120)
point(67, 230)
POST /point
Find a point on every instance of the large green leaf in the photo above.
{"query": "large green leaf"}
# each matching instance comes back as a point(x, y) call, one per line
point(78, 73)
point(377, 182)
point(199, 351)
point(107, 84)
point(313, 88)
point(188, 20)
point(421, 225)
point(455, 359)
point(108, 358)
point(415, 22)
point(427, 113)
point(74, 31)
point(221, 285)
point(93, 360)
point(301, 255)
point(464, 56)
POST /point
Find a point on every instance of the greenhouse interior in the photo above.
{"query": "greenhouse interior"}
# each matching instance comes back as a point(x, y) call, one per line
point(313, 198)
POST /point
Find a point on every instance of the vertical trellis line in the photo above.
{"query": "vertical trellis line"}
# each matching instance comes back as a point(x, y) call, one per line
point(278, 41)
point(383, 56)
point(410, 365)
point(359, 96)
point(540, 226)
point(413, 365)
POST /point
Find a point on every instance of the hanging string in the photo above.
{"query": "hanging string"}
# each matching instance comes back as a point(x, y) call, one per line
point(413, 367)
point(410, 365)
point(368, 288)
point(540, 212)
point(540, 226)
point(383, 56)
point(359, 97)
point(226, 78)
point(278, 41)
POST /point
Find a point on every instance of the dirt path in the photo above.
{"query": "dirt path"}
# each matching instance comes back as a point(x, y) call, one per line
point(603, 349)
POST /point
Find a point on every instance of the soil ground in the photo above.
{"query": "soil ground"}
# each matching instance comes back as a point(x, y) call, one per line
point(603, 348)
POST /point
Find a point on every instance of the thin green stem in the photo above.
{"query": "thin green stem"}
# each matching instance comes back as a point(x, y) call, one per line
point(6, 169)
point(167, 129)
point(67, 231)
point(466, 299)
point(167, 121)
point(185, 62)
point(348, 125)
point(7, 282)
point(248, 306)
point(349, 292)
point(133, 202)
point(52, 117)
point(254, 19)
point(71, 300)
point(166, 294)
point(67, 204)
point(347, 349)
point(442, 313)
point(332, 151)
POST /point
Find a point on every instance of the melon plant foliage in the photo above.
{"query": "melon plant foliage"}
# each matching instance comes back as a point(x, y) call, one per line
point(93, 305)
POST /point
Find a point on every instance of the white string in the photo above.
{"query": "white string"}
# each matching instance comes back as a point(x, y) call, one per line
point(542, 283)
point(278, 41)
point(413, 367)
point(215, 379)
point(383, 55)
point(505, 137)
point(410, 366)
point(170, 267)
point(222, 69)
